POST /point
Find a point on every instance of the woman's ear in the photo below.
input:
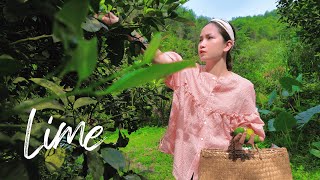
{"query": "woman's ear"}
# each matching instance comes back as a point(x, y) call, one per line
point(229, 45)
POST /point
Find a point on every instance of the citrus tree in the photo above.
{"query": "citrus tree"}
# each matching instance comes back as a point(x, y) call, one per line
point(58, 58)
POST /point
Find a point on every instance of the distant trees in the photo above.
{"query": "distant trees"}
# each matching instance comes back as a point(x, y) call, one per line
point(304, 15)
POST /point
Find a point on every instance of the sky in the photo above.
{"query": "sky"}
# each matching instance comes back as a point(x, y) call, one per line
point(227, 9)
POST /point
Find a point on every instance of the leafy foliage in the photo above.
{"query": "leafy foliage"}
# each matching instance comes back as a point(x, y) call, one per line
point(304, 16)
point(60, 69)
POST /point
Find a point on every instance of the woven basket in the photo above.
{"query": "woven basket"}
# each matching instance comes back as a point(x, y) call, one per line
point(265, 164)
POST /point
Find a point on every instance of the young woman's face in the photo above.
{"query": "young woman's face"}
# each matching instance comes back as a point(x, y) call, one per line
point(211, 45)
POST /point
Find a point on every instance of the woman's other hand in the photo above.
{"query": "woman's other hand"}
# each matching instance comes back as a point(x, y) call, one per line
point(108, 18)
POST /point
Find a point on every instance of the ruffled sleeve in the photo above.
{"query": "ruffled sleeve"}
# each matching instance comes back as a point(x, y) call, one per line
point(173, 81)
point(250, 116)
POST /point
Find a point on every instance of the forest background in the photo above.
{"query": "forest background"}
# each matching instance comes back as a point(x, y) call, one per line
point(57, 58)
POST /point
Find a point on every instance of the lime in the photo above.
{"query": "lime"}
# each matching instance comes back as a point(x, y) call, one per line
point(238, 130)
point(54, 158)
point(247, 138)
point(249, 131)
point(256, 139)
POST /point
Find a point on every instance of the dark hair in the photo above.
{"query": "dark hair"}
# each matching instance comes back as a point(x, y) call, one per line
point(226, 37)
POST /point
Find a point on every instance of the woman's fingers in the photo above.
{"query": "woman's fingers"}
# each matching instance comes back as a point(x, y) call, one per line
point(236, 139)
point(240, 138)
point(243, 138)
point(111, 15)
point(251, 140)
point(110, 18)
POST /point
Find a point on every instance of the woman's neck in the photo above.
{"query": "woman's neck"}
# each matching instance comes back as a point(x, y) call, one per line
point(217, 68)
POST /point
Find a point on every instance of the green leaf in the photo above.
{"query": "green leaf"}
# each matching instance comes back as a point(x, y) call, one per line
point(297, 88)
point(114, 158)
point(95, 164)
point(299, 78)
point(4, 138)
point(8, 65)
point(261, 98)
point(38, 130)
point(93, 25)
point(272, 97)
point(184, 20)
point(71, 19)
point(72, 99)
point(19, 79)
point(271, 125)
point(45, 105)
point(95, 4)
point(305, 116)
point(149, 11)
point(152, 49)
point(84, 59)
point(54, 158)
point(285, 93)
point(315, 152)
point(287, 83)
point(284, 121)
point(264, 111)
point(56, 89)
point(316, 144)
point(19, 136)
point(14, 169)
point(173, 7)
point(132, 177)
point(83, 101)
point(170, 1)
point(144, 75)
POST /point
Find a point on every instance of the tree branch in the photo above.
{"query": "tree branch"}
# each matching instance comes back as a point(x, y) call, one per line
point(32, 39)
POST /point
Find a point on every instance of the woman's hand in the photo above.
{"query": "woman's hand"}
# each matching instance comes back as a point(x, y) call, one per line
point(108, 18)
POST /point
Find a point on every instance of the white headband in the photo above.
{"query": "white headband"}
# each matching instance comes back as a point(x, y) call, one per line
point(225, 26)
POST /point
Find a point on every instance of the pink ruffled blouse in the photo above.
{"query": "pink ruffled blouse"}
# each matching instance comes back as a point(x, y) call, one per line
point(205, 110)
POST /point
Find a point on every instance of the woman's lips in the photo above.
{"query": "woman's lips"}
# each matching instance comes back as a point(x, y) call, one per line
point(201, 51)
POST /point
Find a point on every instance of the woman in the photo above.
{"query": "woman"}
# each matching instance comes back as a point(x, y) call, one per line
point(209, 102)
